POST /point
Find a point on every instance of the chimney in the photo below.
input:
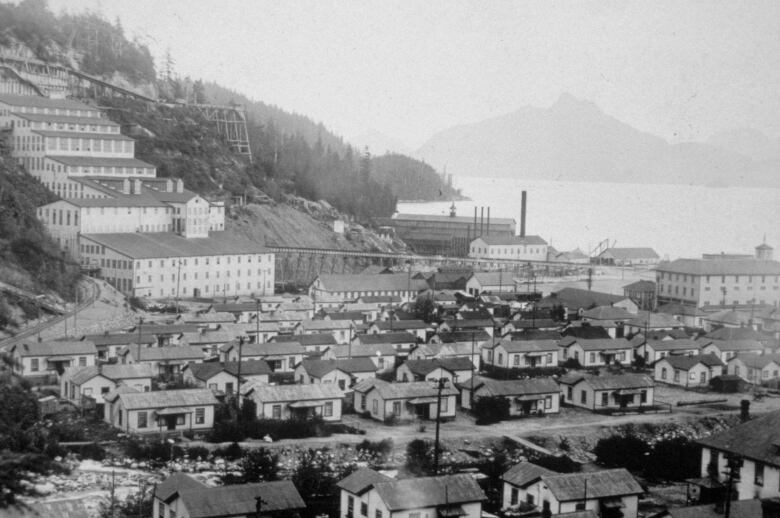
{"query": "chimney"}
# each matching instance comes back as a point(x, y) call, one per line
point(475, 222)
point(137, 186)
point(126, 186)
point(481, 221)
point(488, 222)
point(179, 185)
point(522, 214)
point(770, 508)
point(168, 185)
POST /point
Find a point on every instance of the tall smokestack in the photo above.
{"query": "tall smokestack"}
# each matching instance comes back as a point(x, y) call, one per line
point(488, 222)
point(522, 214)
point(482, 221)
point(475, 222)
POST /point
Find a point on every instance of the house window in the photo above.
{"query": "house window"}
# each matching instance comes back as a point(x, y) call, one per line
point(583, 397)
point(579, 506)
point(529, 499)
point(180, 420)
point(276, 411)
point(604, 399)
point(213, 386)
point(364, 508)
point(351, 505)
point(142, 423)
point(516, 361)
point(570, 393)
point(547, 402)
point(414, 515)
point(328, 411)
point(444, 403)
point(378, 513)
point(676, 376)
point(375, 406)
point(34, 365)
point(592, 357)
point(82, 361)
point(228, 388)
point(397, 408)
point(643, 396)
point(200, 415)
point(663, 373)
point(759, 478)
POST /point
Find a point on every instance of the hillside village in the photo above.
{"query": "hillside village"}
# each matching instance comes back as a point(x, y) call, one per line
point(432, 370)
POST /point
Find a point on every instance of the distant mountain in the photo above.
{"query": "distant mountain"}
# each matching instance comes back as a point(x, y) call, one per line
point(379, 144)
point(575, 140)
point(749, 142)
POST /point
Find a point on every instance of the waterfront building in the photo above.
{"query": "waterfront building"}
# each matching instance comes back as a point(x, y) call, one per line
point(345, 287)
point(518, 248)
point(627, 257)
point(706, 282)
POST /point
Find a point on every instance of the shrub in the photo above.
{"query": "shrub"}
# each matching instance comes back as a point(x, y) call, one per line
point(685, 464)
point(560, 464)
point(572, 363)
point(622, 452)
point(195, 452)
point(231, 452)
point(419, 457)
point(490, 409)
point(381, 448)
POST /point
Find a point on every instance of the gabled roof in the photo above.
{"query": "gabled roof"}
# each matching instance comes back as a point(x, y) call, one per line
point(371, 283)
point(175, 483)
point(492, 387)
point(267, 349)
point(524, 346)
point(599, 484)
point(413, 389)
point(114, 372)
point(415, 493)
point(58, 508)
point(284, 393)
point(535, 334)
point(365, 350)
point(525, 473)
point(576, 298)
point(674, 308)
point(400, 337)
point(738, 333)
point(240, 500)
point(675, 345)
point(647, 320)
point(757, 361)
point(167, 398)
point(346, 315)
point(640, 286)
point(493, 278)
point(319, 368)
point(425, 367)
point(603, 344)
point(92, 161)
point(686, 363)
point(54, 348)
point(608, 313)
point(312, 339)
point(206, 371)
point(734, 345)
point(324, 325)
point(608, 382)
point(757, 439)
point(384, 325)
point(470, 323)
point(728, 317)
point(150, 245)
point(361, 480)
point(451, 349)
point(181, 352)
point(586, 331)
point(478, 335)
point(65, 119)
point(106, 339)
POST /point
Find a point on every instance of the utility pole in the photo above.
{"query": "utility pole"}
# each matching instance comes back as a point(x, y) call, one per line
point(178, 277)
point(733, 462)
point(238, 380)
point(140, 323)
point(471, 391)
point(257, 320)
point(439, 385)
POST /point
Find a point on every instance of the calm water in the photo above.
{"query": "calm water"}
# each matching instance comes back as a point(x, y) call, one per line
point(675, 220)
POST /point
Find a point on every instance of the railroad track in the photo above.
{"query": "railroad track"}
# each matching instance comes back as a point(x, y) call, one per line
point(89, 292)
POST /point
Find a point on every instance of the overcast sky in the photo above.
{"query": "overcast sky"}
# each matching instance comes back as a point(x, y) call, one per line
point(678, 69)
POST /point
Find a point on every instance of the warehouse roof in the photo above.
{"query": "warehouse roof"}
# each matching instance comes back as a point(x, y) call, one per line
point(81, 134)
point(65, 119)
point(625, 254)
point(511, 240)
point(370, 283)
point(44, 102)
point(94, 161)
point(54, 348)
point(721, 267)
point(138, 245)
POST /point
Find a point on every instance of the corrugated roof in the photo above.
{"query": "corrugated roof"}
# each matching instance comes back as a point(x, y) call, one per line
point(319, 368)
point(721, 267)
point(511, 240)
point(757, 439)
point(415, 493)
point(35, 101)
point(361, 480)
point(686, 363)
point(610, 381)
point(371, 283)
point(599, 484)
point(241, 499)
point(283, 393)
point(54, 348)
point(492, 387)
point(138, 245)
point(167, 398)
point(525, 473)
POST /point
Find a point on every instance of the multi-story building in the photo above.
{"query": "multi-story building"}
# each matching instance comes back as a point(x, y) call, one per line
point(709, 282)
point(520, 248)
point(166, 264)
point(108, 206)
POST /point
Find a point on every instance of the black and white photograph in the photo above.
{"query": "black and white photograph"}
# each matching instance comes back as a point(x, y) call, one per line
point(389, 259)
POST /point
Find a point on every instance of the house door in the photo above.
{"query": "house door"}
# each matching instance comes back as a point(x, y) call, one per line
point(422, 411)
point(703, 378)
point(170, 422)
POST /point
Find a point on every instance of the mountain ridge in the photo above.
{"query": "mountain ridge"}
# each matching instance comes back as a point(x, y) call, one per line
point(574, 140)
